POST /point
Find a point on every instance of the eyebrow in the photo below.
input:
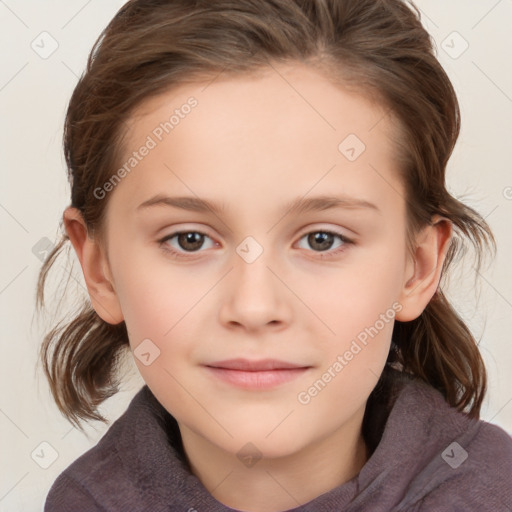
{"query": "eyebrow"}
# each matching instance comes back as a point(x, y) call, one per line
point(297, 206)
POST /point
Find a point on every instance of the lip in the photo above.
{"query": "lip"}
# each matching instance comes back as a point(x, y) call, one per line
point(255, 365)
point(256, 375)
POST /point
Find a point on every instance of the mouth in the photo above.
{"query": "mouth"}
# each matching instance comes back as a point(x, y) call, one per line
point(256, 375)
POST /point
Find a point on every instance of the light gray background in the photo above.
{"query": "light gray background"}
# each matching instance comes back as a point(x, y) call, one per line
point(34, 92)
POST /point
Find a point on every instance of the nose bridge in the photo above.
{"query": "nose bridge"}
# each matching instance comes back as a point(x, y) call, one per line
point(251, 268)
point(255, 296)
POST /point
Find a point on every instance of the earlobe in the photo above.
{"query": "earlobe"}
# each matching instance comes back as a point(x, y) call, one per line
point(94, 267)
point(420, 284)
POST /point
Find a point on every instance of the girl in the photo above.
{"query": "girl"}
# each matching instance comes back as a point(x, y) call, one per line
point(258, 205)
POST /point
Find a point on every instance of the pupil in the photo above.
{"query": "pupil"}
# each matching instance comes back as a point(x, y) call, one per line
point(320, 239)
point(195, 240)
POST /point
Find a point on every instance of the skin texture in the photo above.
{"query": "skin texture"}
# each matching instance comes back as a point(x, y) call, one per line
point(253, 144)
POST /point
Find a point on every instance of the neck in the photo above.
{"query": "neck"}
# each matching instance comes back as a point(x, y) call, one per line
point(279, 483)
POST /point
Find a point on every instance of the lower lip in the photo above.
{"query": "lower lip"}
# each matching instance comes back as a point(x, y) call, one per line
point(256, 380)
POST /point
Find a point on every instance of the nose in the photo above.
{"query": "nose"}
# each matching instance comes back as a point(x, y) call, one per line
point(254, 297)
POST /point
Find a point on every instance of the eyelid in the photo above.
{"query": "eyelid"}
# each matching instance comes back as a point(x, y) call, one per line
point(335, 230)
point(329, 254)
point(319, 255)
point(311, 229)
point(184, 231)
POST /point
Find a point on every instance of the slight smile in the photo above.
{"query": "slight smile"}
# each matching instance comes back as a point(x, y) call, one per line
point(256, 375)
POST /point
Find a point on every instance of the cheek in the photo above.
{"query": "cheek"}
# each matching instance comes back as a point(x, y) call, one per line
point(355, 297)
point(161, 311)
point(154, 291)
point(360, 311)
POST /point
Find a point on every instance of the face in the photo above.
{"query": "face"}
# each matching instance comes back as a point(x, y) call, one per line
point(299, 255)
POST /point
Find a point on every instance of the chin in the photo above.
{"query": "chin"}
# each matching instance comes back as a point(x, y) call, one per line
point(272, 447)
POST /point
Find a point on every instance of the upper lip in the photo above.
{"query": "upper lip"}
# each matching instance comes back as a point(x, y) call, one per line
point(255, 365)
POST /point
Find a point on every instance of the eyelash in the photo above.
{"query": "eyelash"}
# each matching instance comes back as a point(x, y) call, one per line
point(323, 254)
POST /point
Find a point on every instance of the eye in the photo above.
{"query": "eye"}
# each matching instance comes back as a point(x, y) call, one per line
point(184, 242)
point(322, 241)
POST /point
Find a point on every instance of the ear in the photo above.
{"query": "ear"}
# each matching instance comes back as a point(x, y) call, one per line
point(95, 268)
point(424, 267)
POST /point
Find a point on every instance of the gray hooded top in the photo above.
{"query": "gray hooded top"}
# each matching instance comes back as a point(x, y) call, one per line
point(425, 456)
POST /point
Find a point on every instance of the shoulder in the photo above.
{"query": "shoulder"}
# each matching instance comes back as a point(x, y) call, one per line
point(111, 475)
point(84, 483)
point(67, 492)
point(478, 474)
point(455, 463)
point(492, 448)
point(470, 466)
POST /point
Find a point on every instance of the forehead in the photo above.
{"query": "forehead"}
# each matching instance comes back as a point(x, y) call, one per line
point(285, 127)
point(288, 92)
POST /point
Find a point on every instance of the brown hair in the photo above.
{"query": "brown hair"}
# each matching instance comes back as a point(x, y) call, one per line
point(377, 47)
